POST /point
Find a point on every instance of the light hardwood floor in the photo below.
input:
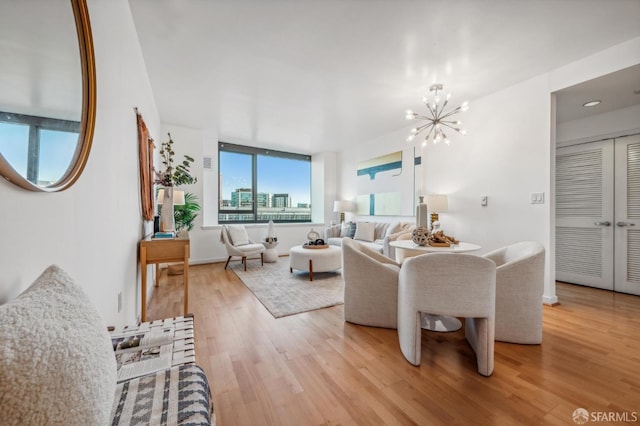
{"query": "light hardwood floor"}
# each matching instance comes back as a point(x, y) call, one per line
point(314, 368)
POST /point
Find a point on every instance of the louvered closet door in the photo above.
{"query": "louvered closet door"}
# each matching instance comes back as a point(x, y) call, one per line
point(584, 214)
point(627, 229)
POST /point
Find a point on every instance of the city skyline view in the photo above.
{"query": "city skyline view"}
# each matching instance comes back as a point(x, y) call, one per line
point(275, 175)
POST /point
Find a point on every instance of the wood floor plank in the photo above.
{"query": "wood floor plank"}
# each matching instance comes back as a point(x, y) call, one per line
point(314, 368)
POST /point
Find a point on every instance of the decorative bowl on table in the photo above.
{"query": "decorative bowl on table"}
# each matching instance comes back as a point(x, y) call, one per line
point(420, 236)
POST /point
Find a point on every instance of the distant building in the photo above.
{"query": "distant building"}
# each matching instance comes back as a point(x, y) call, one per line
point(241, 198)
point(280, 200)
point(304, 205)
point(264, 199)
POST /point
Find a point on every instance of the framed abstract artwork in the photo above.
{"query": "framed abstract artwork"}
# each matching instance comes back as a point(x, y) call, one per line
point(386, 185)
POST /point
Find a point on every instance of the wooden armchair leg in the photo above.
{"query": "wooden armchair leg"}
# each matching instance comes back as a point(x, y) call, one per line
point(244, 260)
point(227, 264)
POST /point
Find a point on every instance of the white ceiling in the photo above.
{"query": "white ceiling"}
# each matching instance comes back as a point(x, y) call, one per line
point(312, 76)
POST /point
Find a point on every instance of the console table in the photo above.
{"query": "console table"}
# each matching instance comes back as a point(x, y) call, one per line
point(164, 250)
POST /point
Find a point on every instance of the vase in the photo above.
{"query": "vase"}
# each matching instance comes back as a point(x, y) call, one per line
point(420, 236)
point(422, 217)
point(167, 219)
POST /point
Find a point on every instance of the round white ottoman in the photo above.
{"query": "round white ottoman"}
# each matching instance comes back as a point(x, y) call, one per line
point(315, 260)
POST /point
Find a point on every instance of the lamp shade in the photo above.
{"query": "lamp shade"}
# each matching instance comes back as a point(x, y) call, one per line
point(342, 206)
point(178, 197)
point(437, 203)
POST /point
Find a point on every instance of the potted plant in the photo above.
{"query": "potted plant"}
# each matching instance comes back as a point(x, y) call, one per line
point(186, 213)
point(171, 176)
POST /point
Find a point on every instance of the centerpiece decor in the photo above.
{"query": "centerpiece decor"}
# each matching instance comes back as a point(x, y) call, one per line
point(420, 235)
point(170, 177)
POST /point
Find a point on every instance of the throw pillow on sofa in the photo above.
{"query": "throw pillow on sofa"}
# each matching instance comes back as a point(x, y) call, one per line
point(56, 359)
point(365, 231)
point(348, 230)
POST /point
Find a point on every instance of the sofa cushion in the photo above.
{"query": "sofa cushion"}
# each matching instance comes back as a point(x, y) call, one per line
point(380, 230)
point(344, 229)
point(57, 364)
point(393, 228)
point(365, 231)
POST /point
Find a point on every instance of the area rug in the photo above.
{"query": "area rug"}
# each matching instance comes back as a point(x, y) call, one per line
point(284, 293)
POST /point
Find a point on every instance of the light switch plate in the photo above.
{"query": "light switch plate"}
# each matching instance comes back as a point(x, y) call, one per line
point(537, 198)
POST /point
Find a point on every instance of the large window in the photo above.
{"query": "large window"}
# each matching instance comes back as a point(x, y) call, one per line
point(258, 185)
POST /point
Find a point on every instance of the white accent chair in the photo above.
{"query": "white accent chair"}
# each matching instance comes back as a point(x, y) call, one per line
point(370, 286)
point(460, 285)
point(519, 290)
point(243, 248)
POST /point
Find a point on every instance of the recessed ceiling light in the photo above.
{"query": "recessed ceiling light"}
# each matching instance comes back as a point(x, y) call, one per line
point(591, 103)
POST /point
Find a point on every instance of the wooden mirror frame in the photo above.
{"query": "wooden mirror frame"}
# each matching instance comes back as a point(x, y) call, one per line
point(88, 115)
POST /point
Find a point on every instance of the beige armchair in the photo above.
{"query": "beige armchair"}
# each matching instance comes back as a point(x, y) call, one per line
point(460, 285)
point(519, 289)
point(370, 286)
point(243, 246)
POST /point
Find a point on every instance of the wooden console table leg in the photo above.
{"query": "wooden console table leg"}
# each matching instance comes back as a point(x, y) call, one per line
point(186, 279)
point(310, 270)
point(143, 275)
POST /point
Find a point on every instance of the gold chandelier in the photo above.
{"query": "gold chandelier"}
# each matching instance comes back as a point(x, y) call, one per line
point(438, 120)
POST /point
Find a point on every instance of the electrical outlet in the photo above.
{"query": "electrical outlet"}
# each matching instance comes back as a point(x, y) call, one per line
point(119, 301)
point(537, 198)
point(484, 200)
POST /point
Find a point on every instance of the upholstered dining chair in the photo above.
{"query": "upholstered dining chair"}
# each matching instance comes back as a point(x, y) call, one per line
point(370, 286)
point(519, 289)
point(460, 285)
point(237, 242)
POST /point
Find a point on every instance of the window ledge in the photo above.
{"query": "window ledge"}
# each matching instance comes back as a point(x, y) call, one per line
point(263, 225)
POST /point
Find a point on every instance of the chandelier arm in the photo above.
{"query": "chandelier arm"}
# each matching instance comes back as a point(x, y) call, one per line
point(422, 128)
point(429, 134)
point(446, 101)
point(450, 113)
point(433, 113)
point(451, 127)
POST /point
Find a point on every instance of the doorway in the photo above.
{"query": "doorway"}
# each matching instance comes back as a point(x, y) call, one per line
point(598, 214)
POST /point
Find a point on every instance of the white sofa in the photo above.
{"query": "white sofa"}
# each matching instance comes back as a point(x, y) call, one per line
point(375, 235)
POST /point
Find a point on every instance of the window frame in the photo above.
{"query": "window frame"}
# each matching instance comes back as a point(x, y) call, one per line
point(255, 152)
point(36, 124)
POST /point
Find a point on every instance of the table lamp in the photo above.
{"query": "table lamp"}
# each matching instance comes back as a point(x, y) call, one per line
point(178, 200)
point(436, 203)
point(342, 207)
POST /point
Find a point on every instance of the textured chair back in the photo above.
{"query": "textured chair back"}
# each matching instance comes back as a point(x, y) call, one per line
point(370, 286)
point(519, 290)
point(460, 285)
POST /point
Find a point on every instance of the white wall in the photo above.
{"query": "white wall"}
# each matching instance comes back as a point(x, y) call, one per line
point(620, 122)
point(92, 229)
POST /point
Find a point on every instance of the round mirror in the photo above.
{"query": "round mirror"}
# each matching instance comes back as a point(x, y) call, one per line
point(47, 92)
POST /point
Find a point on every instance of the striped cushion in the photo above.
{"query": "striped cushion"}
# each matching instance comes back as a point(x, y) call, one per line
point(178, 396)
